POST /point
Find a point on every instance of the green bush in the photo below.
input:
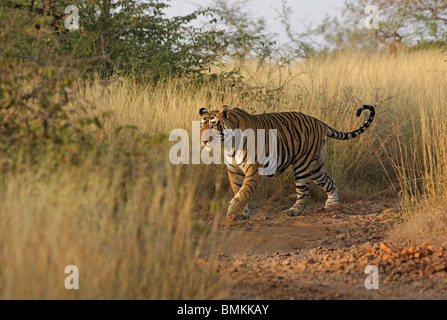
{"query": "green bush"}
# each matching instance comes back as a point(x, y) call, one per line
point(126, 37)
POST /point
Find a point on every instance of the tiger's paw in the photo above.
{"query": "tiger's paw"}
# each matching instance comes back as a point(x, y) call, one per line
point(235, 207)
point(237, 211)
point(294, 211)
point(230, 218)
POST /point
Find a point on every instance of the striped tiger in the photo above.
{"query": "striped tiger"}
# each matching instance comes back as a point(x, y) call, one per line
point(300, 141)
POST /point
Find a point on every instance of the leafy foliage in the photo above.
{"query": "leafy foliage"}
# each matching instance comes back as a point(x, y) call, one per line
point(39, 120)
point(115, 37)
point(246, 35)
point(402, 24)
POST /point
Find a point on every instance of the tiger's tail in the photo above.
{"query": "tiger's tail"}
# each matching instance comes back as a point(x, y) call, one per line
point(335, 134)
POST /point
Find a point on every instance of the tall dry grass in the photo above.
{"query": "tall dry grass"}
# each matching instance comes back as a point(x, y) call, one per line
point(133, 232)
point(131, 241)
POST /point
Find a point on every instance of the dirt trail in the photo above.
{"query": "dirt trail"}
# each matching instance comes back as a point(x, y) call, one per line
point(323, 255)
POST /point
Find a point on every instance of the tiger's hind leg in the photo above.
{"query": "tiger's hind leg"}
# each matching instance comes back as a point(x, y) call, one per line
point(302, 191)
point(321, 179)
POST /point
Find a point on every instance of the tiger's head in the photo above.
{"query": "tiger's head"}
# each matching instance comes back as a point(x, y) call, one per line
point(213, 125)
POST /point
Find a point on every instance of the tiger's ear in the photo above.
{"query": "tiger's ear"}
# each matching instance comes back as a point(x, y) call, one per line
point(225, 112)
point(202, 111)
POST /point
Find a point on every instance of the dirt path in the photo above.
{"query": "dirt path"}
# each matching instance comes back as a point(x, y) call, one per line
point(323, 255)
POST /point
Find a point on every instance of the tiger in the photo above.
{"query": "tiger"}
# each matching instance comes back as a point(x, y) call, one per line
point(300, 141)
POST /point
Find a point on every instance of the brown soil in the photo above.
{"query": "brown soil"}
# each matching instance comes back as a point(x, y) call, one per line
point(323, 255)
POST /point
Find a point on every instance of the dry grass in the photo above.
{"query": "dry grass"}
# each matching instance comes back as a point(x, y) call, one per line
point(426, 222)
point(129, 242)
point(136, 239)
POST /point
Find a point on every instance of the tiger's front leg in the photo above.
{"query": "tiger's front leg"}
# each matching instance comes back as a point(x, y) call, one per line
point(243, 183)
point(237, 177)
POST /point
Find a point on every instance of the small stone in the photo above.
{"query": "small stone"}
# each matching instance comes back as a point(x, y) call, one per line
point(200, 262)
point(439, 267)
point(429, 270)
point(385, 248)
point(285, 263)
point(425, 245)
point(365, 246)
point(239, 264)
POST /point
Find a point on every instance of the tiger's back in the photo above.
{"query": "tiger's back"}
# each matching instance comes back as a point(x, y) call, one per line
point(300, 136)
